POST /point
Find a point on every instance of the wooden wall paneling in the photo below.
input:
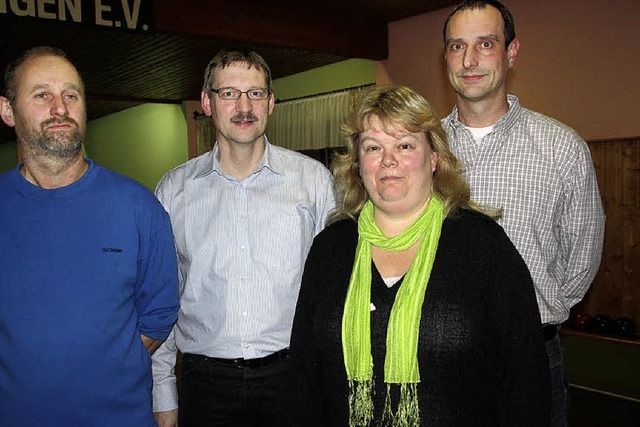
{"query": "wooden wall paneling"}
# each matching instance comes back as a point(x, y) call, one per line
point(616, 288)
point(600, 298)
point(588, 303)
point(610, 294)
point(631, 225)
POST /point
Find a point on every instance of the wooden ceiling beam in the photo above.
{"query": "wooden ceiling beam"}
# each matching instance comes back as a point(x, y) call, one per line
point(259, 23)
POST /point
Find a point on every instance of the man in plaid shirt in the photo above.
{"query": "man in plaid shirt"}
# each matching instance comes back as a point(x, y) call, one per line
point(534, 168)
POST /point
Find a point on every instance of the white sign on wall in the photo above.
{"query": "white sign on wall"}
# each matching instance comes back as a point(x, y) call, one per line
point(132, 15)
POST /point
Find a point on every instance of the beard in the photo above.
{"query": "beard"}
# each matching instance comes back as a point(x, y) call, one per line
point(61, 144)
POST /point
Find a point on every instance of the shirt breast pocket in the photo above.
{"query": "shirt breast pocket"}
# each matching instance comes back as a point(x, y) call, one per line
point(283, 240)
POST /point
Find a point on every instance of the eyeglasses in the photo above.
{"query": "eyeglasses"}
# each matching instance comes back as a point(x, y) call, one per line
point(254, 94)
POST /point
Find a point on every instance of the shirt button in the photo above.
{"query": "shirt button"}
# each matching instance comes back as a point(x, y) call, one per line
point(244, 313)
point(243, 248)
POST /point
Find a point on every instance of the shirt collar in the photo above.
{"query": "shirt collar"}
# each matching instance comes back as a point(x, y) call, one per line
point(505, 123)
point(211, 164)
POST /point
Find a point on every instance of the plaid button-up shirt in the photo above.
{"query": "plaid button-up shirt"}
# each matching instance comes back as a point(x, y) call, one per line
point(540, 173)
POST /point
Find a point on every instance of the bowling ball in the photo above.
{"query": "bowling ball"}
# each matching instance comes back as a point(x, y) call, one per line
point(602, 324)
point(581, 321)
point(624, 327)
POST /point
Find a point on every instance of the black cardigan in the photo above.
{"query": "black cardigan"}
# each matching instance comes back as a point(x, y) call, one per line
point(481, 352)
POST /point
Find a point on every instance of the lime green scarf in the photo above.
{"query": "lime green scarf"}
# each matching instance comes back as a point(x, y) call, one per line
point(401, 360)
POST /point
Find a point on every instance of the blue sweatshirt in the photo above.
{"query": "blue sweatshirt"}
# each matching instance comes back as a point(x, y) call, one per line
point(84, 270)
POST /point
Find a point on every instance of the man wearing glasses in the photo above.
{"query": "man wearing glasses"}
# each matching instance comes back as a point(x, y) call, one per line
point(244, 217)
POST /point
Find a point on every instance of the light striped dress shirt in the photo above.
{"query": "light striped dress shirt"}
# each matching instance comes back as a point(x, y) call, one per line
point(540, 173)
point(241, 250)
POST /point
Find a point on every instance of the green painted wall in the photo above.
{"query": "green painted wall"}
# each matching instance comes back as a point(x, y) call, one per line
point(143, 142)
point(341, 75)
point(8, 156)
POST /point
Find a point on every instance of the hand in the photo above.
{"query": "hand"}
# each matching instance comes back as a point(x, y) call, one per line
point(150, 344)
point(167, 418)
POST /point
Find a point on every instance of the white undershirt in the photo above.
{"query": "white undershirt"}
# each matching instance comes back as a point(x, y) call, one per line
point(390, 281)
point(479, 133)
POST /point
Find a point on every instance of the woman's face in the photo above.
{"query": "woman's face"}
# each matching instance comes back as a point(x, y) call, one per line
point(396, 170)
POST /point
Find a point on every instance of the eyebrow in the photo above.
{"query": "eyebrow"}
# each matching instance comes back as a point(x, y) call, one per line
point(458, 40)
point(66, 86)
point(478, 38)
point(400, 137)
point(489, 37)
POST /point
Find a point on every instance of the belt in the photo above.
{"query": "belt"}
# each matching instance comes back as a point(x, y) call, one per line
point(549, 331)
point(244, 363)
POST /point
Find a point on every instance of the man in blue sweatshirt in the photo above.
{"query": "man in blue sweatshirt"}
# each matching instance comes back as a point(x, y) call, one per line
point(88, 282)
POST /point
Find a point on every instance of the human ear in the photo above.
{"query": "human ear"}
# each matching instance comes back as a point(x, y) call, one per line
point(434, 161)
point(272, 102)
point(6, 112)
point(205, 101)
point(512, 52)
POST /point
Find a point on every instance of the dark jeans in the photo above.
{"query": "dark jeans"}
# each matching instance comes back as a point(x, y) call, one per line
point(559, 384)
point(213, 394)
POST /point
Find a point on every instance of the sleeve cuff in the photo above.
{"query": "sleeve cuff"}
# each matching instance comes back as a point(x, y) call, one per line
point(165, 397)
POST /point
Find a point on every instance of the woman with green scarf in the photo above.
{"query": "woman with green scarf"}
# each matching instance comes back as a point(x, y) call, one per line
point(415, 308)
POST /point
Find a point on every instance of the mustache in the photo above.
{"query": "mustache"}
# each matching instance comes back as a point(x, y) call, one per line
point(244, 117)
point(58, 121)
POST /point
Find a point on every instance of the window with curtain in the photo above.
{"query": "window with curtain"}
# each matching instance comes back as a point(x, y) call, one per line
point(311, 123)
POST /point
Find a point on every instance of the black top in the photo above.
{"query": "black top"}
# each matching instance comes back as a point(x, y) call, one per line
point(481, 352)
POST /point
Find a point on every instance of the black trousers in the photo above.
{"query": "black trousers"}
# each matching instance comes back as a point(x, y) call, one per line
point(214, 394)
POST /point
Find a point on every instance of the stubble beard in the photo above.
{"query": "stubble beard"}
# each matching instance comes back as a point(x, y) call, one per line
point(59, 144)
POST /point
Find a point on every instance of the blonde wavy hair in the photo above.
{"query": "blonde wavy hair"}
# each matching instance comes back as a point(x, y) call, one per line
point(396, 107)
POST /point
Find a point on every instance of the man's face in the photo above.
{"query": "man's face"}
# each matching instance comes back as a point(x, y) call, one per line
point(49, 109)
point(240, 121)
point(477, 61)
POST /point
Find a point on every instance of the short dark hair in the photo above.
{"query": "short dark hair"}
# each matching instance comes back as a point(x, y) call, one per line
point(10, 83)
point(235, 56)
point(507, 17)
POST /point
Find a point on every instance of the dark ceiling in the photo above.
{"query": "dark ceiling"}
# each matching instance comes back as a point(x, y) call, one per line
point(164, 64)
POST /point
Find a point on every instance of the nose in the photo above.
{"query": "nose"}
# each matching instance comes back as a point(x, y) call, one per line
point(243, 103)
point(388, 159)
point(59, 107)
point(470, 59)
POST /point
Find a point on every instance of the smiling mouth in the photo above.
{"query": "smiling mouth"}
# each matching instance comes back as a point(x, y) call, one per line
point(473, 77)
